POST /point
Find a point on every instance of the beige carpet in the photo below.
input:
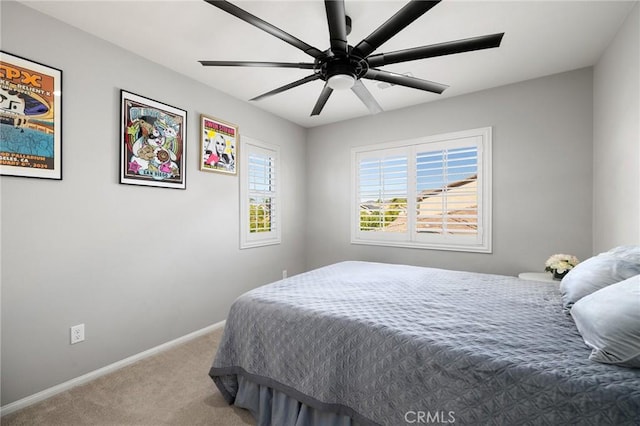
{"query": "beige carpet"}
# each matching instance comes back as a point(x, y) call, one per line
point(170, 388)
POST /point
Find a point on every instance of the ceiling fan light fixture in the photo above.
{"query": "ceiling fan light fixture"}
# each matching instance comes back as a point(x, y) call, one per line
point(341, 81)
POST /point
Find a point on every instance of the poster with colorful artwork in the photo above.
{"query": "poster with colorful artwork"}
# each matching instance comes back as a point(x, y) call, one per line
point(218, 144)
point(30, 118)
point(152, 143)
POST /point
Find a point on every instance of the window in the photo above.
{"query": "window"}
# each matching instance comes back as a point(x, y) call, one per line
point(432, 192)
point(259, 194)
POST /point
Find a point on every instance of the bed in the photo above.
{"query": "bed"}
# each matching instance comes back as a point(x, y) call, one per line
point(362, 343)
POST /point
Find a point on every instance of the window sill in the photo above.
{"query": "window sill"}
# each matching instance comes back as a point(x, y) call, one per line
point(426, 246)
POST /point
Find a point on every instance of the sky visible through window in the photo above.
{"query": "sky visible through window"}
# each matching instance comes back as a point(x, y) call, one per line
point(260, 169)
point(385, 179)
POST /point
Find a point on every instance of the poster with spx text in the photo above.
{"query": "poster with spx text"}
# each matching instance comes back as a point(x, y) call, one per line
point(152, 143)
point(30, 118)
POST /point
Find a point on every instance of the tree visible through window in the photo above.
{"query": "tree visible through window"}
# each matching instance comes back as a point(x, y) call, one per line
point(259, 215)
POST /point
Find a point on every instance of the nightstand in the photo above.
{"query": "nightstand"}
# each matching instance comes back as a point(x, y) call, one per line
point(537, 276)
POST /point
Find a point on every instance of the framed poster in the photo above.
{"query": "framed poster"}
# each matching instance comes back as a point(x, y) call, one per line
point(30, 118)
point(152, 142)
point(218, 146)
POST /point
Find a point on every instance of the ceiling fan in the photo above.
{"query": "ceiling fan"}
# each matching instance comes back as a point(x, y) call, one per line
point(343, 66)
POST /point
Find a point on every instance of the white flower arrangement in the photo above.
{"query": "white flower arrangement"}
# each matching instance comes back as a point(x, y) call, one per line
point(560, 263)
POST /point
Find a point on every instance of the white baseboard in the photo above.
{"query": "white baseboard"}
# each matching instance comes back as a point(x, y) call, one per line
point(48, 393)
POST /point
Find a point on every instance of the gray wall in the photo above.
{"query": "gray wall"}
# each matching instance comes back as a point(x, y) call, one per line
point(542, 174)
point(138, 266)
point(616, 140)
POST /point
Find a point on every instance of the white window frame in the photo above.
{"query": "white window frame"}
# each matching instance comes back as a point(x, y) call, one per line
point(480, 243)
point(248, 239)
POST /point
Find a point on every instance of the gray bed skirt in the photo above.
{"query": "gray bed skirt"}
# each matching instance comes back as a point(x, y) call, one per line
point(272, 407)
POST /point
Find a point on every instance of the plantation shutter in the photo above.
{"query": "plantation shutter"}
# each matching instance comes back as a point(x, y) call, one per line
point(431, 192)
point(262, 194)
point(447, 199)
point(260, 197)
point(382, 191)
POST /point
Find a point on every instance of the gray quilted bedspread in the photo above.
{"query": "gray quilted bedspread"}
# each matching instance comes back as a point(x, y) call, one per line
point(393, 344)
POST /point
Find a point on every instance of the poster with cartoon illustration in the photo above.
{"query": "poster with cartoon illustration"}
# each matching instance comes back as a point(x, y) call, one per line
point(30, 118)
point(152, 145)
point(218, 142)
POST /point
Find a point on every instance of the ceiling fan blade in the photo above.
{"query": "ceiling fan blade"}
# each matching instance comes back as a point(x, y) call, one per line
point(405, 16)
point(433, 50)
point(287, 87)
point(322, 100)
point(299, 65)
point(406, 81)
point(337, 19)
point(265, 26)
point(366, 97)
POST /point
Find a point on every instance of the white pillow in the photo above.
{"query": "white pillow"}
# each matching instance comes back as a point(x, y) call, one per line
point(628, 253)
point(595, 273)
point(609, 322)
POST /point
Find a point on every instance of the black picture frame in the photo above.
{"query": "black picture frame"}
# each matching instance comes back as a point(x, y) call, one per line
point(152, 142)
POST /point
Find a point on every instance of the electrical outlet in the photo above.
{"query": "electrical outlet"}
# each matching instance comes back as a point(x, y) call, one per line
point(284, 274)
point(77, 333)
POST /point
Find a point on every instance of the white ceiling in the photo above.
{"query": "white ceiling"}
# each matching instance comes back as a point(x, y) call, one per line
point(541, 38)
